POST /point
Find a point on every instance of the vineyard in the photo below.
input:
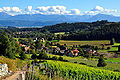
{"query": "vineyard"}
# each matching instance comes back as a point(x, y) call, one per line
point(78, 72)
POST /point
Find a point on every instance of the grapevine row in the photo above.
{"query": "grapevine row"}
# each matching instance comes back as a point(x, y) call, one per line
point(80, 72)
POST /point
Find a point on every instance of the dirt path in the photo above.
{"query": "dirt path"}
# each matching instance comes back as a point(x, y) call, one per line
point(18, 75)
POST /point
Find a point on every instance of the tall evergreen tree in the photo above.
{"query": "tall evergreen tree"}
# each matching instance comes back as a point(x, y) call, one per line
point(101, 62)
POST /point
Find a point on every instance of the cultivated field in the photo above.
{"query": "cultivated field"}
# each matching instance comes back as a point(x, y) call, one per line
point(96, 42)
point(112, 63)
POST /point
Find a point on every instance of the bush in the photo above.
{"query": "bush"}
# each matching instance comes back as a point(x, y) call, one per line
point(108, 48)
point(54, 58)
point(101, 62)
point(42, 55)
point(35, 61)
point(65, 60)
point(75, 62)
point(60, 58)
point(87, 55)
point(83, 63)
point(23, 56)
point(34, 56)
point(117, 70)
point(11, 56)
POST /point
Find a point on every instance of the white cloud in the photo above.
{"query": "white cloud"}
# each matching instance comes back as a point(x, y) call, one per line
point(75, 11)
point(16, 9)
point(1, 10)
point(29, 8)
point(6, 9)
point(99, 9)
point(11, 9)
point(58, 10)
point(52, 10)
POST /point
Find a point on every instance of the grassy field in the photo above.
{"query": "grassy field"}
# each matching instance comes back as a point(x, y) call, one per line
point(116, 44)
point(94, 43)
point(97, 43)
point(59, 33)
point(112, 63)
point(113, 49)
point(13, 64)
point(113, 60)
point(103, 51)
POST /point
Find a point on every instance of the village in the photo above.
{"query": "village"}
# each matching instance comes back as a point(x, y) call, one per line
point(62, 50)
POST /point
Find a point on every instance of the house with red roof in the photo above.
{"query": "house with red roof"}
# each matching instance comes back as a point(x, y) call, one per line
point(74, 53)
point(27, 48)
point(90, 51)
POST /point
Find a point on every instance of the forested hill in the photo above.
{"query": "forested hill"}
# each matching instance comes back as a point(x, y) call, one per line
point(100, 30)
point(105, 32)
point(80, 26)
point(88, 31)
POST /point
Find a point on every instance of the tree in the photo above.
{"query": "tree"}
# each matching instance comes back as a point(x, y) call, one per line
point(42, 55)
point(112, 41)
point(34, 56)
point(32, 51)
point(96, 48)
point(7, 46)
point(119, 48)
point(18, 49)
point(101, 62)
point(38, 44)
point(54, 58)
point(58, 37)
point(54, 51)
point(60, 58)
point(23, 56)
point(13, 45)
point(4, 44)
point(11, 55)
point(81, 53)
point(47, 44)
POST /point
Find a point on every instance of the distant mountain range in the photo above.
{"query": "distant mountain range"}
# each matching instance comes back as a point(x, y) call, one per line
point(29, 20)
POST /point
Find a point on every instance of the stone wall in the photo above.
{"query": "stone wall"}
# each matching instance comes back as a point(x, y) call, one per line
point(3, 69)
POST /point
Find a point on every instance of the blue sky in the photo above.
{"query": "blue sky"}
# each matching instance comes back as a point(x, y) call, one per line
point(72, 6)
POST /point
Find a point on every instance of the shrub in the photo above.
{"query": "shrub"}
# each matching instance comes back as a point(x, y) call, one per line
point(117, 70)
point(108, 48)
point(54, 58)
point(60, 58)
point(65, 60)
point(11, 56)
point(87, 55)
point(75, 62)
point(23, 56)
point(101, 62)
point(83, 63)
point(42, 55)
point(34, 56)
